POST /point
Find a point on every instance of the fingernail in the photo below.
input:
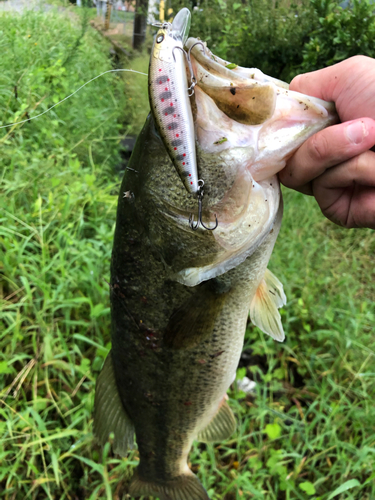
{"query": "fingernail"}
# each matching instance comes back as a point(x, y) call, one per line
point(356, 132)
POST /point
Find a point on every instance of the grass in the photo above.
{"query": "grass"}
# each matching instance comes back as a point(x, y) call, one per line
point(136, 91)
point(308, 429)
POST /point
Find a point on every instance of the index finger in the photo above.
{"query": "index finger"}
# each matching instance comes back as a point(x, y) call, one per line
point(349, 84)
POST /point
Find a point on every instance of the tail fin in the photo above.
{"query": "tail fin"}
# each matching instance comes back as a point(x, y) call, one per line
point(184, 487)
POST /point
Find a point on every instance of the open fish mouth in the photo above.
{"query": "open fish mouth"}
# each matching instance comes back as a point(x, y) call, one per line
point(247, 125)
point(257, 111)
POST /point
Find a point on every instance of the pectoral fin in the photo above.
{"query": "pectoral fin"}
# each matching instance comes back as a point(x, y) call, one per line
point(264, 313)
point(109, 413)
point(221, 426)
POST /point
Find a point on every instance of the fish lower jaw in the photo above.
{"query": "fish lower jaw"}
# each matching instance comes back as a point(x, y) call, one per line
point(238, 240)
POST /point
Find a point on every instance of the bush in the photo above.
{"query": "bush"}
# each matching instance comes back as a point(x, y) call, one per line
point(340, 33)
point(254, 33)
point(284, 39)
point(43, 60)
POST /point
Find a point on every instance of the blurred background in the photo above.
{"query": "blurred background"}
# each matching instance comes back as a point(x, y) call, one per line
point(305, 408)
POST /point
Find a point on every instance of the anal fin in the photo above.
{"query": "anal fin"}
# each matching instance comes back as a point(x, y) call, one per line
point(264, 313)
point(109, 413)
point(221, 426)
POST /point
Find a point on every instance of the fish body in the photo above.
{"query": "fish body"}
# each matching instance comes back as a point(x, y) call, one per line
point(180, 298)
point(169, 98)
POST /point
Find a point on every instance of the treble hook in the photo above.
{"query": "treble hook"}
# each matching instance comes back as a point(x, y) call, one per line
point(188, 59)
point(192, 47)
point(192, 77)
point(191, 217)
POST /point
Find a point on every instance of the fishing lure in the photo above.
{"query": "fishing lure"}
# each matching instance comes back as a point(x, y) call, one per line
point(169, 98)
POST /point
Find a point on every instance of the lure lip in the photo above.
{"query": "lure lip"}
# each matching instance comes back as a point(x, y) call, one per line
point(181, 25)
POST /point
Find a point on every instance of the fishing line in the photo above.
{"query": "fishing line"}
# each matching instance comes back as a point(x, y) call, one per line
point(67, 97)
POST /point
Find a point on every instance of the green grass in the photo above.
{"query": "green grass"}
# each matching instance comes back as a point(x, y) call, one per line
point(136, 91)
point(308, 429)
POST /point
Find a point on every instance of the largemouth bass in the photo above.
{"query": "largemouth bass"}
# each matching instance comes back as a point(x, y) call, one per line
point(181, 298)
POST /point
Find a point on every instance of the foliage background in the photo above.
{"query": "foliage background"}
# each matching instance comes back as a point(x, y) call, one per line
point(308, 430)
point(282, 37)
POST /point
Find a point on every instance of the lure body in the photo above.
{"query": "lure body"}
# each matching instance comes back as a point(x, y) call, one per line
point(169, 98)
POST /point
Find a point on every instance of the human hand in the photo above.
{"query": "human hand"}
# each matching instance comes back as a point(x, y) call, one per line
point(336, 165)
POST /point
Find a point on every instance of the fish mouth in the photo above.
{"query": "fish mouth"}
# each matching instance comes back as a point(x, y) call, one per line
point(253, 109)
point(247, 124)
point(244, 95)
point(247, 120)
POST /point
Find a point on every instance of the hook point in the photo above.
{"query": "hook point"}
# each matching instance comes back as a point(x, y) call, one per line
point(199, 221)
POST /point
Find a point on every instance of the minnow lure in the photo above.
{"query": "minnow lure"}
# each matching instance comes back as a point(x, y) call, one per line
point(169, 98)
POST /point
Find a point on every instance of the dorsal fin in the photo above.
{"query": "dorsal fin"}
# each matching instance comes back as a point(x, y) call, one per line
point(264, 313)
point(109, 413)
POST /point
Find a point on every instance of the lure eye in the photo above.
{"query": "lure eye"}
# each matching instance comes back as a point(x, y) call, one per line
point(160, 38)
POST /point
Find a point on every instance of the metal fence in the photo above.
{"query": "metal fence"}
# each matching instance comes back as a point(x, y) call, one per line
point(120, 16)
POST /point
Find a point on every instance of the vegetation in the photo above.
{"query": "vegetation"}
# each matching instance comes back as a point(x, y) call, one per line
point(339, 34)
point(284, 38)
point(308, 430)
point(59, 191)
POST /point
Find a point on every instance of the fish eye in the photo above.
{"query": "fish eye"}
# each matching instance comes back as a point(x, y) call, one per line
point(160, 38)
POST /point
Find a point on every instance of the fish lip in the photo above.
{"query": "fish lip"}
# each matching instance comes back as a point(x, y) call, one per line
point(213, 64)
point(243, 77)
point(205, 61)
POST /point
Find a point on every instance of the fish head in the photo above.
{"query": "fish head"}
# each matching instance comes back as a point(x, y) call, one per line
point(246, 126)
point(242, 107)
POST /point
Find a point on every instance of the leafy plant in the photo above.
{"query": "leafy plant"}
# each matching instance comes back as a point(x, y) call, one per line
point(281, 38)
point(58, 197)
point(340, 33)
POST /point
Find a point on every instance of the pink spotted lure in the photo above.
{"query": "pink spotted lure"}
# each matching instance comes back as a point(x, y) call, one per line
point(169, 98)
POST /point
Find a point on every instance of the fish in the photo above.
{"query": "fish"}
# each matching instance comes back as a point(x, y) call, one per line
point(180, 299)
point(169, 97)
